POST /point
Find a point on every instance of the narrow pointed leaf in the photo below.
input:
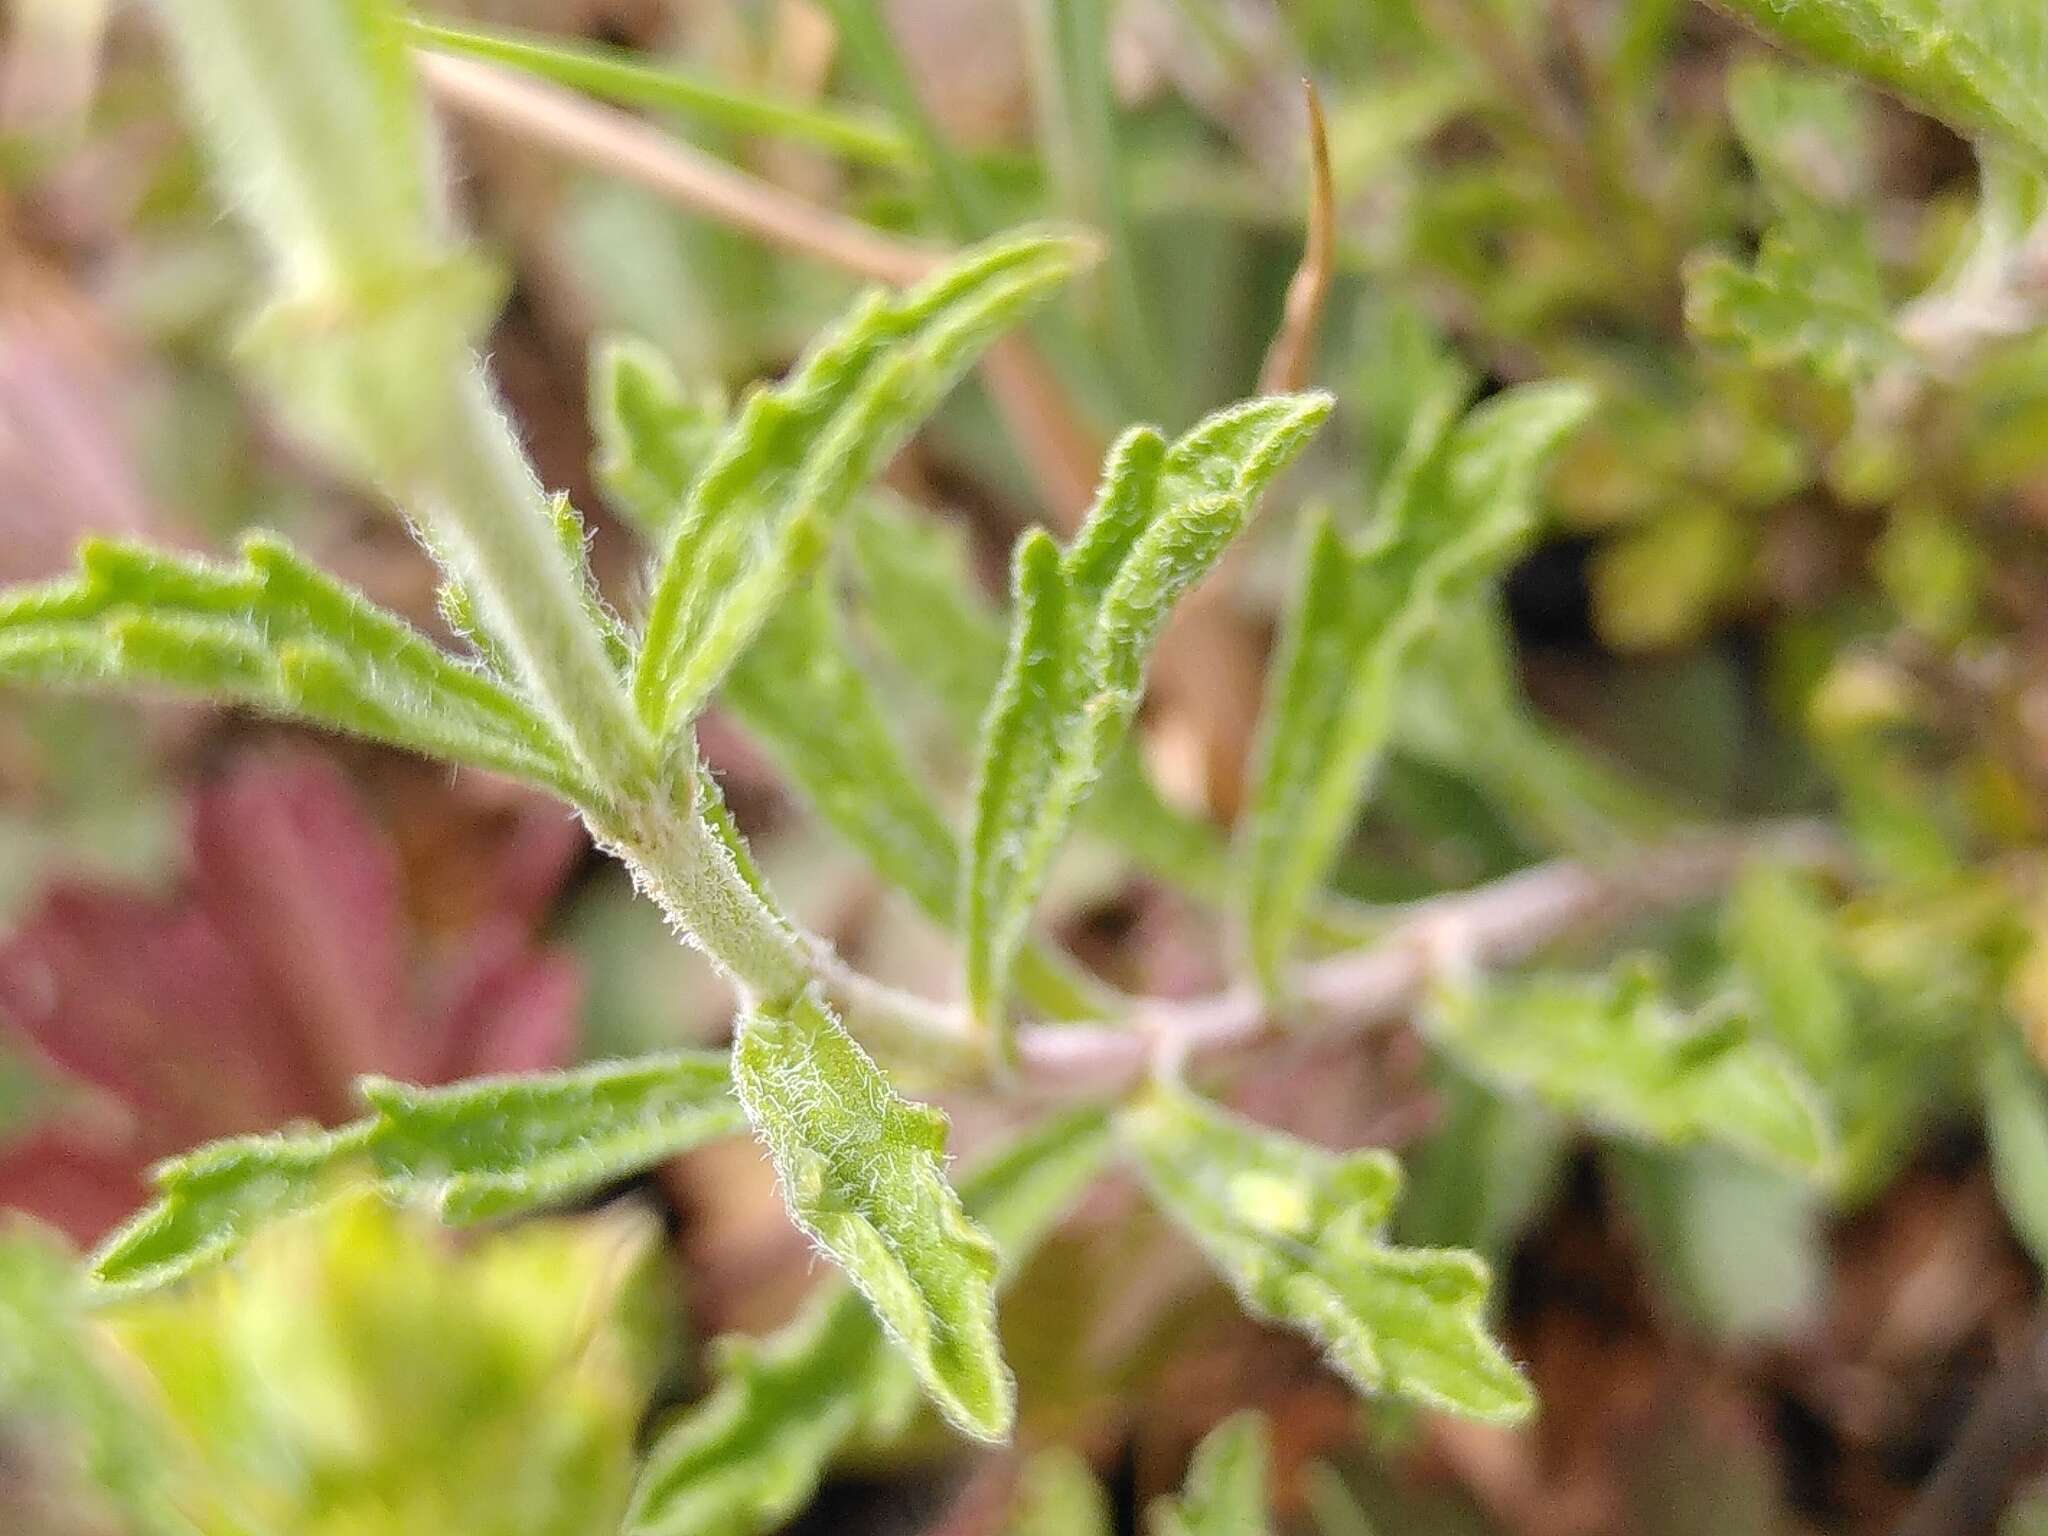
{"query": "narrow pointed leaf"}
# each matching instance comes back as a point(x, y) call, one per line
point(486, 1148)
point(799, 687)
point(1225, 1493)
point(497, 1146)
point(1299, 1233)
point(863, 1172)
point(275, 633)
point(213, 1199)
point(631, 79)
point(751, 1455)
point(1083, 632)
point(1452, 520)
point(1615, 1052)
point(922, 606)
point(761, 513)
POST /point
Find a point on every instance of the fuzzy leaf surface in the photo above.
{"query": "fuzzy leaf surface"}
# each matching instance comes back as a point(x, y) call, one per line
point(481, 1149)
point(1979, 65)
point(1225, 1494)
point(799, 687)
point(1459, 510)
point(923, 607)
point(1299, 1232)
point(1084, 626)
point(497, 1146)
point(747, 1458)
point(762, 512)
point(215, 1198)
point(654, 437)
point(863, 1172)
point(277, 634)
point(1614, 1051)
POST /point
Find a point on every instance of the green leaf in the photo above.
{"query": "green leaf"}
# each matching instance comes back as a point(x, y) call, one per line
point(1801, 305)
point(798, 686)
point(1453, 514)
point(653, 436)
point(1615, 1052)
point(863, 1172)
point(761, 514)
point(2016, 1120)
point(1711, 1224)
point(620, 75)
point(1462, 708)
point(799, 689)
point(751, 1455)
point(275, 633)
point(1226, 1487)
point(923, 606)
point(1807, 133)
point(1058, 1494)
point(1979, 65)
point(1299, 1233)
point(1083, 631)
point(59, 1382)
point(494, 1147)
point(1786, 948)
point(477, 1150)
point(212, 1200)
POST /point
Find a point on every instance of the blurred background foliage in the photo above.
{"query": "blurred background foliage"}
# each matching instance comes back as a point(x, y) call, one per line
point(1794, 565)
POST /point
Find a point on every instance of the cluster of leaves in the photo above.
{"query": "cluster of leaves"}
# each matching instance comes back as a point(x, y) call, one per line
point(1818, 1047)
point(356, 1341)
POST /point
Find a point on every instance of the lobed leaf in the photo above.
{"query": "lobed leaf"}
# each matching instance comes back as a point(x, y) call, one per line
point(212, 1200)
point(478, 1150)
point(1299, 1233)
point(1458, 506)
point(761, 513)
point(1800, 305)
point(278, 634)
point(747, 1458)
point(798, 687)
point(862, 1171)
point(1980, 65)
point(1084, 626)
point(1225, 1493)
point(922, 605)
point(494, 1147)
point(1615, 1052)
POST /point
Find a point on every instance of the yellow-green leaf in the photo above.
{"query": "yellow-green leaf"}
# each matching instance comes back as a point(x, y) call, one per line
point(1299, 1232)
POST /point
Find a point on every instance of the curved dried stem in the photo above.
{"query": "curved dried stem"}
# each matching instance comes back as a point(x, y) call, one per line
point(617, 142)
point(1287, 359)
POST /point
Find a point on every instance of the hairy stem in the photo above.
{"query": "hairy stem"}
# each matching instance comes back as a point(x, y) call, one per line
point(488, 517)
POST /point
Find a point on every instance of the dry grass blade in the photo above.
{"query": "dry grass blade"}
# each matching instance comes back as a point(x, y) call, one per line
point(1287, 359)
point(619, 143)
